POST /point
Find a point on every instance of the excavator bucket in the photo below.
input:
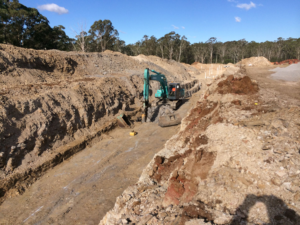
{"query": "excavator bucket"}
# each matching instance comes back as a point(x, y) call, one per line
point(123, 121)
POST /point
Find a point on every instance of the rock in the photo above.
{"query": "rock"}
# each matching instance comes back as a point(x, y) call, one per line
point(223, 220)
point(281, 173)
point(196, 222)
point(276, 181)
point(9, 165)
point(124, 221)
point(162, 215)
point(266, 147)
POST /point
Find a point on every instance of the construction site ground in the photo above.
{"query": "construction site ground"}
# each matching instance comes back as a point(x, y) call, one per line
point(235, 160)
point(83, 188)
point(63, 160)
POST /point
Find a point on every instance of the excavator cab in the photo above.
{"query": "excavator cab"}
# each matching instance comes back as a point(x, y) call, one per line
point(175, 91)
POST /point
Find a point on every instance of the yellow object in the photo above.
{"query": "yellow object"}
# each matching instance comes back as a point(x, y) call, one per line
point(256, 103)
point(132, 133)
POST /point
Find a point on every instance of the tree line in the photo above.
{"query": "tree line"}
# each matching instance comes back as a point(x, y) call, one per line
point(26, 27)
point(176, 47)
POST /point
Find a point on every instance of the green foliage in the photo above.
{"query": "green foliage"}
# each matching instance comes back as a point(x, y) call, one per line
point(26, 27)
point(176, 47)
point(103, 36)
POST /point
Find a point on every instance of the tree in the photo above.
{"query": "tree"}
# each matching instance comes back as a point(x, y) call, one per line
point(60, 39)
point(279, 46)
point(211, 43)
point(200, 51)
point(103, 34)
point(182, 46)
point(119, 45)
point(298, 48)
point(222, 49)
point(82, 39)
point(4, 19)
point(170, 40)
point(162, 44)
point(26, 27)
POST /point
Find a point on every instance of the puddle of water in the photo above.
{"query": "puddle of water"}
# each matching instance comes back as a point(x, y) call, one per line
point(290, 73)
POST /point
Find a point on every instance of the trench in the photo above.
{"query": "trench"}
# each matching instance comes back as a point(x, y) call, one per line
point(81, 189)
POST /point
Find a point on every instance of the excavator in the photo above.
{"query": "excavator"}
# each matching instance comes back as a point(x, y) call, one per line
point(169, 95)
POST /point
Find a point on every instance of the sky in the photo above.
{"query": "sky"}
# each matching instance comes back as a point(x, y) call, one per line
point(198, 20)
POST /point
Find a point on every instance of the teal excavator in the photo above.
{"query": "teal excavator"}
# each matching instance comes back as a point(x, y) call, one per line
point(168, 94)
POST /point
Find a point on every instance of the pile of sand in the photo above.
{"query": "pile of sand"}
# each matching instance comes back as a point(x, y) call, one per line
point(255, 61)
point(290, 73)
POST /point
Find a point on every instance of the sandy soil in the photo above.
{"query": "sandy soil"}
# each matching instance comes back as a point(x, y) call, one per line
point(53, 104)
point(82, 189)
point(235, 160)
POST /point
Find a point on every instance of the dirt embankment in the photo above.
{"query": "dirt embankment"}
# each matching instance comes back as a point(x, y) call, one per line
point(54, 103)
point(237, 154)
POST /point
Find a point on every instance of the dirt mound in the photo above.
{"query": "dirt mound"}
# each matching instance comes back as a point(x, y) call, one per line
point(241, 86)
point(166, 65)
point(255, 61)
point(20, 66)
point(287, 61)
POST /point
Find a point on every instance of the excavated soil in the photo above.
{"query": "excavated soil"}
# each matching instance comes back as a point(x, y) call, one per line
point(53, 104)
point(255, 61)
point(237, 86)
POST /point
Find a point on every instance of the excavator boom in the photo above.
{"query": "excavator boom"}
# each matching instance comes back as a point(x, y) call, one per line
point(169, 94)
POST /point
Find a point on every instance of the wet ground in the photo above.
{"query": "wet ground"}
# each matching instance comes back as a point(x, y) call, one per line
point(83, 188)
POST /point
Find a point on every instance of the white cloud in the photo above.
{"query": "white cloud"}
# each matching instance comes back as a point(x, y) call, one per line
point(175, 27)
point(246, 6)
point(183, 27)
point(53, 8)
point(232, 1)
point(237, 19)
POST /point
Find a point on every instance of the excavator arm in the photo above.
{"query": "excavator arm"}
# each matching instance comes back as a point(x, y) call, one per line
point(162, 92)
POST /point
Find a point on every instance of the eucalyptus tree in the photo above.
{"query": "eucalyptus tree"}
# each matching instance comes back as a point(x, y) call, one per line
point(103, 34)
point(200, 51)
point(182, 46)
point(211, 43)
point(26, 27)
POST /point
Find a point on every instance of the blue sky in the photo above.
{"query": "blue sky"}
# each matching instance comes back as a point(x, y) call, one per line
point(256, 20)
